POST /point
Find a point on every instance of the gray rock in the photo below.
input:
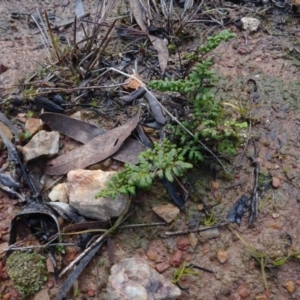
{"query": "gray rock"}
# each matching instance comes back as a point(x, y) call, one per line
point(44, 143)
point(134, 279)
point(83, 185)
point(208, 234)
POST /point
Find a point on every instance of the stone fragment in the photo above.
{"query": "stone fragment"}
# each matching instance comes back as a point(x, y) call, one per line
point(42, 144)
point(183, 243)
point(167, 212)
point(208, 234)
point(6, 296)
point(290, 286)
point(222, 256)
point(215, 185)
point(7, 132)
point(275, 182)
point(42, 295)
point(14, 293)
point(275, 215)
point(250, 24)
point(242, 292)
point(176, 258)
point(59, 193)
point(83, 185)
point(134, 279)
point(32, 125)
point(193, 238)
point(161, 267)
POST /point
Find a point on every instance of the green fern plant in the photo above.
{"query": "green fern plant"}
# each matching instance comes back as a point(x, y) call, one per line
point(208, 121)
point(163, 161)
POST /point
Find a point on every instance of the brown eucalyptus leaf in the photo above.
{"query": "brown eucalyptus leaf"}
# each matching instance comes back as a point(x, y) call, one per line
point(78, 130)
point(158, 43)
point(98, 149)
point(84, 132)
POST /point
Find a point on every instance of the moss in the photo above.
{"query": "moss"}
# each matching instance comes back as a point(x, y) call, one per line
point(28, 271)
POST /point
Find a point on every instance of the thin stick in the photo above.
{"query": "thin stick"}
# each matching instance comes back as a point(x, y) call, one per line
point(38, 246)
point(97, 241)
point(182, 232)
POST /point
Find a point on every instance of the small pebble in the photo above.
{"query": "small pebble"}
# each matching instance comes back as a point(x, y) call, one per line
point(176, 258)
point(6, 296)
point(275, 182)
point(215, 185)
point(290, 286)
point(275, 215)
point(222, 256)
point(183, 243)
point(161, 267)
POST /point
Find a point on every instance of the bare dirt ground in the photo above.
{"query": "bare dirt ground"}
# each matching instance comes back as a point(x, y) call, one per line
point(269, 58)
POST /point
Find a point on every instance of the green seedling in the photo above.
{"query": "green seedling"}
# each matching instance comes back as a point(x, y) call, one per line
point(210, 220)
point(208, 122)
point(183, 271)
point(163, 161)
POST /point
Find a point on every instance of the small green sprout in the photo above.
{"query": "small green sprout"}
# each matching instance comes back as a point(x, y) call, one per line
point(183, 271)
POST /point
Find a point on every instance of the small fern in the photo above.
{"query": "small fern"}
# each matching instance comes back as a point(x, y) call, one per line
point(164, 161)
point(208, 123)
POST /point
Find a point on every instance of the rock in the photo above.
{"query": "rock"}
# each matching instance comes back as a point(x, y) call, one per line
point(59, 193)
point(14, 293)
point(42, 295)
point(208, 234)
point(32, 125)
point(242, 292)
point(275, 215)
point(183, 243)
point(250, 24)
point(215, 185)
point(42, 144)
point(161, 267)
point(193, 238)
point(167, 212)
point(7, 132)
point(290, 286)
point(222, 256)
point(6, 296)
point(275, 182)
point(83, 185)
point(134, 279)
point(176, 259)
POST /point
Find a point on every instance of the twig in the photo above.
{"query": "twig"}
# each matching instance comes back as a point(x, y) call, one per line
point(38, 246)
point(144, 225)
point(97, 242)
point(182, 232)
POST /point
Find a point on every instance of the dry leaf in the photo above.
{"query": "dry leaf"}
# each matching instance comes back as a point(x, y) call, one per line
point(158, 43)
point(98, 149)
point(133, 84)
point(84, 132)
